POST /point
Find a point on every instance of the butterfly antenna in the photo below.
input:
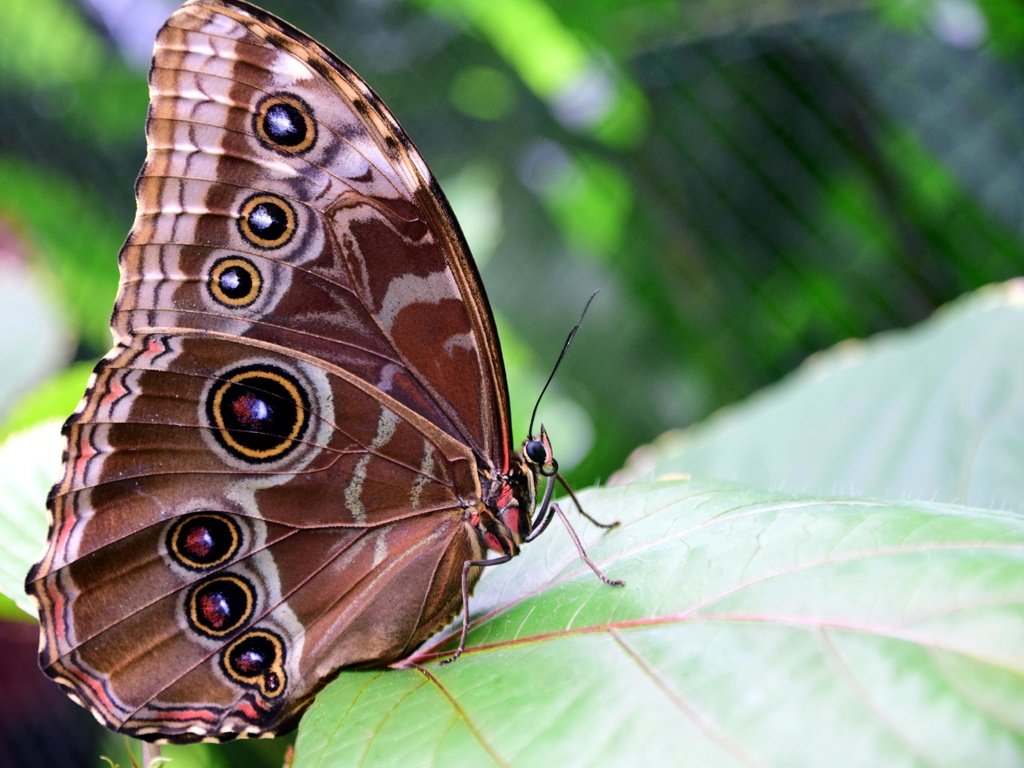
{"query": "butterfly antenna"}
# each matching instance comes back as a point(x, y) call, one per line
point(558, 362)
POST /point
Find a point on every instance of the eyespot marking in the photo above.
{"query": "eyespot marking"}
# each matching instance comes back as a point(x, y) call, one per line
point(267, 221)
point(256, 660)
point(234, 282)
point(258, 412)
point(220, 605)
point(284, 123)
point(201, 541)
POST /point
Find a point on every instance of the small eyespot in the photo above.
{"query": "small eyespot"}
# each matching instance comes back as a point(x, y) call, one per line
point(258, 412)
point(203, 540)
point(234, 282)
point(256, 660)
point(218, 606)
point(285, 123)
point(267, 221)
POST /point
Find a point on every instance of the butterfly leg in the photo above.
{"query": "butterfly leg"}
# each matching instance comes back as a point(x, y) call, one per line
point(545, 509)
point(579, 507)
point(582, 552)
point(544, 512)
point(465, 601)
point(549, 509)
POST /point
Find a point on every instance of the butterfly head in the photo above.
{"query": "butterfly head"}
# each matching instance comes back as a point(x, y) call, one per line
point(538, 454)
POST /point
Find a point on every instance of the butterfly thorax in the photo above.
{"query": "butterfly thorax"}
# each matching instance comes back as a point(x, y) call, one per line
point(501, 521)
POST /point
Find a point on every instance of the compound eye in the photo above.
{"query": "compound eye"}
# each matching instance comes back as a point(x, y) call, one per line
point(536, 451)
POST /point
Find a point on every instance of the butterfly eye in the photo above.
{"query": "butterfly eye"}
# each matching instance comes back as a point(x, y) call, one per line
point(285, 124)
point(535, 451)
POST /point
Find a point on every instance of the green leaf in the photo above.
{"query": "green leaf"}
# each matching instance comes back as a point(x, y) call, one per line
point(54, 399)
point(936, 412)
point(43, 43)
point(754, 628)
point(31, 461)
point(9, 610)
point(37, 342)
point(556, 64)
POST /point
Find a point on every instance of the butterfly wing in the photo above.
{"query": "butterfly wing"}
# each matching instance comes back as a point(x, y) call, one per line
point(281, 201)
point(268, 476)
point(331, 538)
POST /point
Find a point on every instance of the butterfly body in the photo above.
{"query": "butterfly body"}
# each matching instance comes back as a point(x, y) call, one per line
point(297, 455)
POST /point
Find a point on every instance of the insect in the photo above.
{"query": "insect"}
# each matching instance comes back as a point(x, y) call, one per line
point(297, 456)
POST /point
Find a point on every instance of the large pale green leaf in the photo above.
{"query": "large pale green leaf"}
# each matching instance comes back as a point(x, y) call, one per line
point(54, 399)
point(31, 462)
point(25, 303)
point(754, 629)
point(936, 413)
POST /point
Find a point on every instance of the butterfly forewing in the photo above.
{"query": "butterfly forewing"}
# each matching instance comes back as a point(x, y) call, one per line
point(360, 263)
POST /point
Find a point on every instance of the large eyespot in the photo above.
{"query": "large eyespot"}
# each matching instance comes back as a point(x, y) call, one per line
point(220, 605)
point(234, 282)
point(256, 660)
point(284, 123)
point(258, 412)
point(266, 221)
point(203, 540)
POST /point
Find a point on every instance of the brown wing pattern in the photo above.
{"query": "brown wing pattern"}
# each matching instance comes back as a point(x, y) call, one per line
point(269, 476)
point(375, 275)
point(349, 534)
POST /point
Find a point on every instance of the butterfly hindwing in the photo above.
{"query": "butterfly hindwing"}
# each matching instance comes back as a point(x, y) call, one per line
point(314, 516)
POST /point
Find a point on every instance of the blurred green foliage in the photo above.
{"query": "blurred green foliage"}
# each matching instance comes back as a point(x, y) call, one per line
point(746, 182)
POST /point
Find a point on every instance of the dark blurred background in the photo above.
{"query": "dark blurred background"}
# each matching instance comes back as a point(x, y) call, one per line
point(747, 182)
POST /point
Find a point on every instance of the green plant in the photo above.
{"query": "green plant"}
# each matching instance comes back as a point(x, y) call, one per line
point(837, 619)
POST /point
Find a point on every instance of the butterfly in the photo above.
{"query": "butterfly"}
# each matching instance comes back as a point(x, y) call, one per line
point(297, 456)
